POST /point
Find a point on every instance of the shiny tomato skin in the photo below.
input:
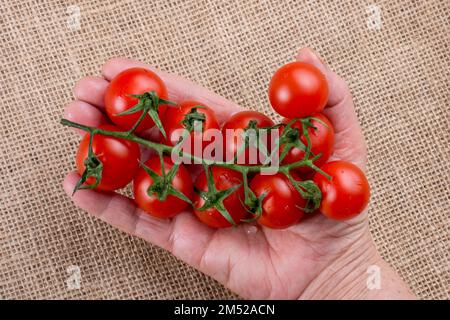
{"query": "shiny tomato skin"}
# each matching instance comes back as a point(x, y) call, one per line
point(120, 159)
point(172, 205)
point(172, 123)
point(322, 141)
point(347, 194)
point(282, 203)
point(118, 99)
point(241, 120)
point(224, 178)
point(237, 122)
point(298, 90)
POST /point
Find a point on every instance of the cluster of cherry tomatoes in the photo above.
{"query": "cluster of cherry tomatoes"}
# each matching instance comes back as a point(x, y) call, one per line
point(224, 194)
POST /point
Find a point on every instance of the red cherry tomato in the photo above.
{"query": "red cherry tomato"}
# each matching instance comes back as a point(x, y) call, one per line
point(347, 194)
point(298, 90)
point(322, 141)
point(172, 205)
point(233, 141)
point(282, 204)
point(118, 99)
point(120, 159)
point(172, 121)
point(224, 178)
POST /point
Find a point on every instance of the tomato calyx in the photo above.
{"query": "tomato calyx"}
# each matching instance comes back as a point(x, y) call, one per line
point(251, 137)
point(93, 168)
point(162, 184)
point(308, 190)
point(148, 103)
point(194, 120)
point(311, 193)
point(290, 138)
point(214, 198)
point(306, 124)
point(251, 203)
point(254, 205)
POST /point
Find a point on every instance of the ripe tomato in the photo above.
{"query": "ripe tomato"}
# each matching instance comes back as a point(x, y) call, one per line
point(173, 118)
point(120, 159)
point(298, 90)
point(322, 141)
point(234, 142)
point(347, 194)
point(224, 178)
point(281, 206)
point(172, 205)
point(129, 82)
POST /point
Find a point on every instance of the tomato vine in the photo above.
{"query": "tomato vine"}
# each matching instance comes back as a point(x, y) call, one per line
point(307, 189)
point(137, 100)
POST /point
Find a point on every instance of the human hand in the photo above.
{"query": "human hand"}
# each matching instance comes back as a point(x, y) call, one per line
point(317, 258)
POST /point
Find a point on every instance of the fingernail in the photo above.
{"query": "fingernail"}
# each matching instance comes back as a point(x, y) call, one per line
point(308, 51)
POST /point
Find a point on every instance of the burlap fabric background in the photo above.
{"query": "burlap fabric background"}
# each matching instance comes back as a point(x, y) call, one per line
point(398, 72)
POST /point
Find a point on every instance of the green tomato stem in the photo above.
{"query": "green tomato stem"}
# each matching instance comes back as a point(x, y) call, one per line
point(162, 148)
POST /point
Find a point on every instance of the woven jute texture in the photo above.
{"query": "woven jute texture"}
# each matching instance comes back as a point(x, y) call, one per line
point(394, 55)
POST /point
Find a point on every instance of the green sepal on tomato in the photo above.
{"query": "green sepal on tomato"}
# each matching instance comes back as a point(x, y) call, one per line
point(119, 159)
point(256, 150)
point(281, 203)
point(321, 135)
point(218, 199)
point(162, 192)
point(183, 119)
point(136, 90)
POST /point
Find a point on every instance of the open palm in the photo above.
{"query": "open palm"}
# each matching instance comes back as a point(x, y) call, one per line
point(254, 262)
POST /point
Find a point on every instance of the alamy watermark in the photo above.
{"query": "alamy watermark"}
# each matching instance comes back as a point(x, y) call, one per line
point(373, 281)
point(74, 19)
point(374, 20)
point(251, 147)
point(73, 282)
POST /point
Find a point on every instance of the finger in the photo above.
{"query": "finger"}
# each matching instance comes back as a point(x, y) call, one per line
point(184, 235)
point(339, 97)
point(110, 207)
point(91, 90)
point(84, 113)
point(349, 144)
point(179, 89)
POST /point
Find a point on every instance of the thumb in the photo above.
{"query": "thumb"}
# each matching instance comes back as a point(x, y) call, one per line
point(349, 144)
